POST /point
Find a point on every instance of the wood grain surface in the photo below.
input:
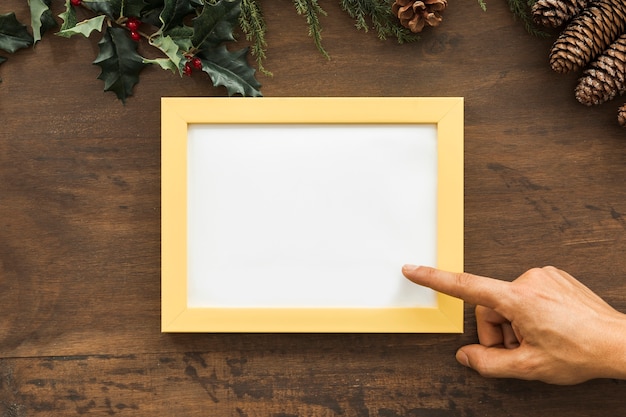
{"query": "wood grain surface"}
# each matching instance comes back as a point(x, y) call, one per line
point(80, 229)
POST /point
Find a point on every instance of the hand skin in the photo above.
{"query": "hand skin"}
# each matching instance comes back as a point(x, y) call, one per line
point(545, 326)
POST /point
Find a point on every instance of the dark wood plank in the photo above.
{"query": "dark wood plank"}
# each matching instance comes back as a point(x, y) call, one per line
point(80, 228)
point(322, 383)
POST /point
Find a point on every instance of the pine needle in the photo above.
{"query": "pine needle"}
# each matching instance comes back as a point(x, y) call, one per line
point(253, 26)
point(382, 19)
point(312, 10)
point(521, 10)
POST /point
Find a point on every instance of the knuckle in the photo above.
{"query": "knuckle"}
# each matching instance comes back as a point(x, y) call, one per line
point(535, 272)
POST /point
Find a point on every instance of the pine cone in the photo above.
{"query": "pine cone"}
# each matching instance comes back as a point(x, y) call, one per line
point(606, 77)
point(414, 15)
point(588, 34)
point(621, 115)
point(554, 13)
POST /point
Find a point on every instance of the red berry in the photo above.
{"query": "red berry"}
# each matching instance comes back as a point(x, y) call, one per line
point(76, 2)
point(187, 70)
point(133, 24)
point(135, 35)
point(197, 63)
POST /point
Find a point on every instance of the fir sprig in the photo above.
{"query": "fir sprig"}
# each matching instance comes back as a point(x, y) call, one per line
point(521, 10)
point(253, 25)
point(382, 19)
point(311, 10)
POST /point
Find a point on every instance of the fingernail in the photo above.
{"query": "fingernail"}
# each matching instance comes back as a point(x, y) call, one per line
point(462, 358)
point(409, 267)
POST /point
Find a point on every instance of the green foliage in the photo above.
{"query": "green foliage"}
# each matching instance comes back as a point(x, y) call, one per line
point(311, 10)
point(215, 25)
point(119, 61)
point(521, 10)
point(185, 31)
point(378, 13)
point(253, 25)
point(180, 30)
point(174, 12)
point(83, 28)
point(106, 7)
point(41, 18)
point(231, 70)
point(13, 34)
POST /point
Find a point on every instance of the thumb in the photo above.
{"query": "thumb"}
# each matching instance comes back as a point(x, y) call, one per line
point(491, 362)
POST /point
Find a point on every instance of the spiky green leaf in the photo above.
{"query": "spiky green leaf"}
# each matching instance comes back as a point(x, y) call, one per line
point(68, 17)
point(41, 18)
point(132, 7)
point(181, 35)
point(151, 12)
point(164, 63)
point(84, 28)
point(119, 61)
point(103, 6)
point(171, 49)
point(174, 12)
point(13, 34)
point(231, 70)
point(215, 24)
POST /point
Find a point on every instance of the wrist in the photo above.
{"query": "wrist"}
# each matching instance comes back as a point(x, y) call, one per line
point(613, 353)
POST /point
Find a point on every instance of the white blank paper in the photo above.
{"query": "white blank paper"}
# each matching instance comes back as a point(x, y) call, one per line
point(310, 215)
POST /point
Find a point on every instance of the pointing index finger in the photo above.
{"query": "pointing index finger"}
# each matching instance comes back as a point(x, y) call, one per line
point(474, 289)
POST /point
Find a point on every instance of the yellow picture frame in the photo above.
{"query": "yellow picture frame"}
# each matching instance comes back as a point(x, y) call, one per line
point(179, 113)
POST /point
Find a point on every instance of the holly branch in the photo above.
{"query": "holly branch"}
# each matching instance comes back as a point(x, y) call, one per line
point(188, 34)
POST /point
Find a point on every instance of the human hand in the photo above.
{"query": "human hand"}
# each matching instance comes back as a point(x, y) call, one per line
point(545, 325)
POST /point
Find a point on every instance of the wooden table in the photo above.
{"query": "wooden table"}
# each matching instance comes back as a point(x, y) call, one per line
point(80, 229)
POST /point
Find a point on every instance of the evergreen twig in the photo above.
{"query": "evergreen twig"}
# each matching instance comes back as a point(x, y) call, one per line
point(253, 25)
point(312, 10)
point(381, 17)
point(521, 10)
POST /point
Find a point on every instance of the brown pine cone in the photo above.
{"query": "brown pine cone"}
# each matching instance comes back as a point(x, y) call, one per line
point(621, 115)
point(554, 13)
point(415, 15)
point(588, 35)
point(606, 76)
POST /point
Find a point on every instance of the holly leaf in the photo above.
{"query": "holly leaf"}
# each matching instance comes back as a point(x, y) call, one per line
point(164, 63)
point(68, 17)
point(171, 49)
point(84, 28)
point(13, 34)
point(102, 6)
point(215, 24)
point(231, 70)
point(41, 18)
point(151, 12)
point(132, 8)
point(120, 62)
point(174, 12)
point(181, 35)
